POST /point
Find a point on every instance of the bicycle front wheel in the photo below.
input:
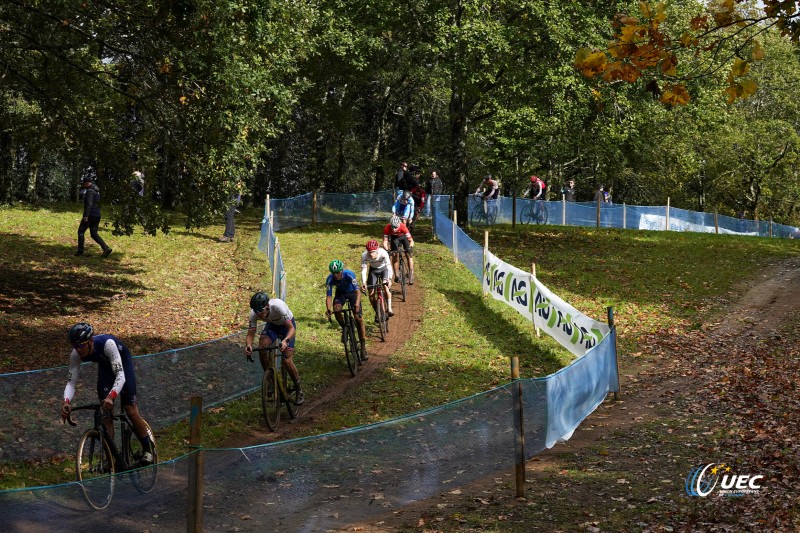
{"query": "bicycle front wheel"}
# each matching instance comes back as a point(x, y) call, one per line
point(492, 215)
point(380, 310)
point(293, 393)
point(526, 216)
point(144, 476)
point(94, 466)
point(403, 280)
point(349, 350)
point(478, 216)
point(270, 398)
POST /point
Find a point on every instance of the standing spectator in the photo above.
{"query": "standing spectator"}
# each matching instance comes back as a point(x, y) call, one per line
point(434, 188)
point(568, 191)
point(230, 226)
point(137, 182)
point(91, 216)
point(607, 196)
point(401, 177)
point(600, 195)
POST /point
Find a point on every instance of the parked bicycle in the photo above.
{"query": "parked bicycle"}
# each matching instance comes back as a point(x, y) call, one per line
point(352, 346)
point(534, 212)
point(402, 274)
point(98, 458)
point(381, 316)
point(276, 386)
point(484, 212)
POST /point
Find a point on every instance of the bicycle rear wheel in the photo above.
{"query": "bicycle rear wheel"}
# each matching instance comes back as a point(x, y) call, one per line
point(478, 216)
point(270, 398)
point(144, 476)
point(94, 467)
point(349, 351)
point(541, 217)
point(293, 392)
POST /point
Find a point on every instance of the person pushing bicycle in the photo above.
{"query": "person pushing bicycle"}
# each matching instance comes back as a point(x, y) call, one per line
point(115, 377)
point(375, 262)
point(395, 234)
point(404, 206)
point(346, 289)
point(279, 322)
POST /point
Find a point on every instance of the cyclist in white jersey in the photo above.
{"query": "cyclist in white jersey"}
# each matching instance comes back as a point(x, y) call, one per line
point(375, 261)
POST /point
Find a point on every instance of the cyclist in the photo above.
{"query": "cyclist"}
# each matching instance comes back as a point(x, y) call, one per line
point(395, 233)
point(115, 377)
point(535, 189)
point(491, 190)
point(375, 262)
point(404, 206)
point(279, 322)
point(418, 194)
point(346, 289)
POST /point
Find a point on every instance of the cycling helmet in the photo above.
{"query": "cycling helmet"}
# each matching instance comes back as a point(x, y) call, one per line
point(335, 266)
point(407, 195)
point(534, 178)
point(259, 301)
point(395, 222)
point(372, 245)
point(80, 333)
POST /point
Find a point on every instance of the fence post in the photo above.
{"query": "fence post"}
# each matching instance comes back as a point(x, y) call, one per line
point(269, 211)
point(598, 213)
point(616, 355)
point(563, 210)
point(514, 210)
point(533, 315)
point(455, 243)
point(716, 222)
point(519, 428)
point(275, 249)
point(434, 208)
point(770, 228)
point(667, 228)
point(485, 250)
point(314, 208)
point(624, 216)
point(194, 512)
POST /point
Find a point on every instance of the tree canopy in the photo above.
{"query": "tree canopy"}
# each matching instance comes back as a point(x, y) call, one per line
point(209, 99)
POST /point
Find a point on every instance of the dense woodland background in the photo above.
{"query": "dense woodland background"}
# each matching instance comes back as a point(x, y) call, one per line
point(210, 98)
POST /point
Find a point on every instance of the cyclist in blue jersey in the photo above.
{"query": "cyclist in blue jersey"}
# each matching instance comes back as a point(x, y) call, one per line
point(346, 289)
point(404, 207)
point(279, 323)
point(115, 377)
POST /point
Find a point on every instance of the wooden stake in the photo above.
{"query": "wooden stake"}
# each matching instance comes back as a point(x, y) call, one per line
point(519, 429)
point(194, 511)
point(533, 314)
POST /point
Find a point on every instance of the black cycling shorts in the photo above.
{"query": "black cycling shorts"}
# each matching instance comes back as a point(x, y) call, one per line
point(372, 275)
point(402, 239)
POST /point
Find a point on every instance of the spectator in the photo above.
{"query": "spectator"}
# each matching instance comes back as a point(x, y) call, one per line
point(137, 182)
point(401, 177)
point(607, 196)
point(600, 195)
point(568, 191)
point(230, 226)
point(91, 216)
point(434, 189)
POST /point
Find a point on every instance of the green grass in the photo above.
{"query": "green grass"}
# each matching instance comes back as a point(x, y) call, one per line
point(655, 281)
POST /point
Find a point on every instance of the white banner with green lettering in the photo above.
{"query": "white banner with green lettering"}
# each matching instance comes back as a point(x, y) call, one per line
point(572, 329)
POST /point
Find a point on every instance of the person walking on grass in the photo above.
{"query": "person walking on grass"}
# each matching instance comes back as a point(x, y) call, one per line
point(91, 217)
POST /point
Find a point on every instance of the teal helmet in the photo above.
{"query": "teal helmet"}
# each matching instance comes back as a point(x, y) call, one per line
point(335, 266)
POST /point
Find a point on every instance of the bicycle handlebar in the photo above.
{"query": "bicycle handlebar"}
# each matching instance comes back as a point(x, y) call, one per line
point(92, 406)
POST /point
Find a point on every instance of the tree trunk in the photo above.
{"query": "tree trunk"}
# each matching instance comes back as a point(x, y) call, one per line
point(380, 140)
point(458, 145)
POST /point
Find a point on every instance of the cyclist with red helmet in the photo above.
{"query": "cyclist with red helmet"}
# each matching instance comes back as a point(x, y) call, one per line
point(375, 262)
point(535, 189)
point(346, 289)
point(395, 234)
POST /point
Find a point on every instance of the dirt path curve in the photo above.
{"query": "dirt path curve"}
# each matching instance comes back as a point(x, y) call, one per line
point(401, 326)
point(600, 440)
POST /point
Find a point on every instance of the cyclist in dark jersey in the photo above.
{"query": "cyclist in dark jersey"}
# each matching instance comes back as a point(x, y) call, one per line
point(395, 235)
point(115, 377)
point(347, 288)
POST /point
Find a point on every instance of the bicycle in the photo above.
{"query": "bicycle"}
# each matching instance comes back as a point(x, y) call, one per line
point(98, 458)
point(483, 216)
point(380, 307)
point(402, 273)
point(274, 391)
point(534, 211)
point(352, 346)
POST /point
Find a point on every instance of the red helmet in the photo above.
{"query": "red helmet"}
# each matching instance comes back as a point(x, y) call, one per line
point(372, 245)
point(534, 178)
